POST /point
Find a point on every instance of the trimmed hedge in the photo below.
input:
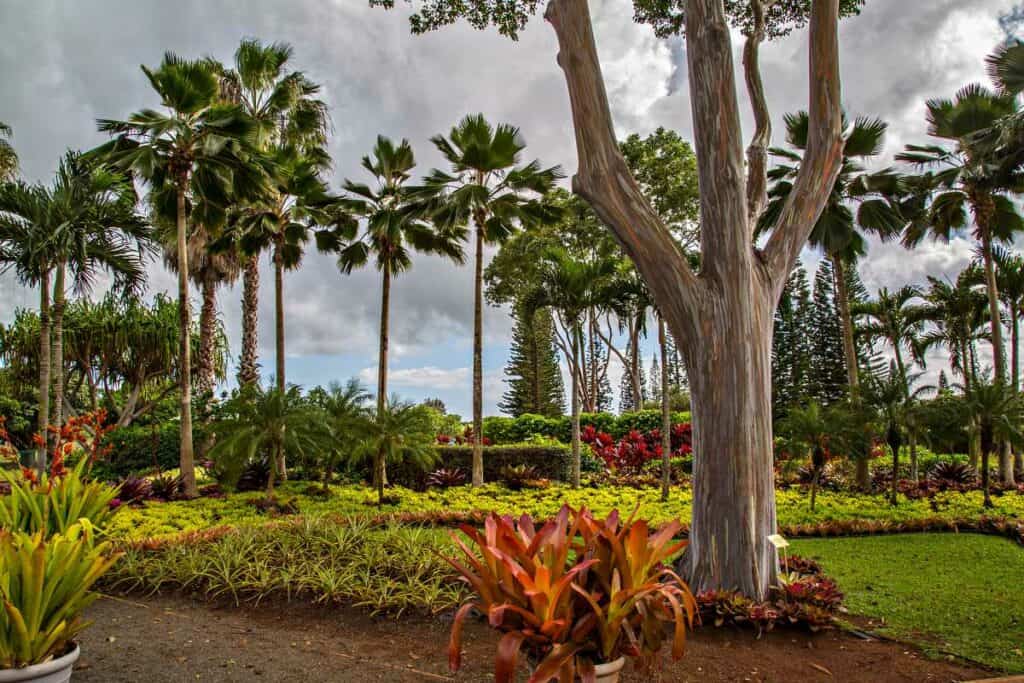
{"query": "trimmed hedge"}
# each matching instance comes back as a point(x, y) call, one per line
point(552, 461)
point(141, 449)
point(508, 430)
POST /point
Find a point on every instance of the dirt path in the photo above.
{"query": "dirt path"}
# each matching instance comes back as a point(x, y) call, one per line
point(172, 639)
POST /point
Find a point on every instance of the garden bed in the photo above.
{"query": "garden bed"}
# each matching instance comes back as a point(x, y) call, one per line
point(175, 639)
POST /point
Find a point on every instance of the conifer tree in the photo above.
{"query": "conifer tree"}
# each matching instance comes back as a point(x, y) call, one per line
point(534, 376)
point(791, 352)
point(828, 367)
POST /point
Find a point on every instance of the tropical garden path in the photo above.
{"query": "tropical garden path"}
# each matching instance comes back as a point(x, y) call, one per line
point(176, 639)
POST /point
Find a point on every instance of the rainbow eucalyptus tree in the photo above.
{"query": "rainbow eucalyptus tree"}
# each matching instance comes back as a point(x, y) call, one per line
point(722, 315)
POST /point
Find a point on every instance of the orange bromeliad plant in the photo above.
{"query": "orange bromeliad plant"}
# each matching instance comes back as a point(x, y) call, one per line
point(576, 593)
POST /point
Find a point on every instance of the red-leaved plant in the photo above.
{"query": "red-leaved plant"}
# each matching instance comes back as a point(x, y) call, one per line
point(575, 593)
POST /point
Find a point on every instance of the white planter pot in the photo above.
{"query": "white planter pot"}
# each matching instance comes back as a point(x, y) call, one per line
point(609, 673)
point(54, 671)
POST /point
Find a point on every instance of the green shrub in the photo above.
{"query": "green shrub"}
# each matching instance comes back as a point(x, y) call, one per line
point(552, 461)
point(54, 504)
point(135, 450)
point(506, 430)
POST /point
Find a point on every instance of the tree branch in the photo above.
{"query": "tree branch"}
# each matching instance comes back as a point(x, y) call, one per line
point(822, 161)
point(757, 152)
point(603, 178)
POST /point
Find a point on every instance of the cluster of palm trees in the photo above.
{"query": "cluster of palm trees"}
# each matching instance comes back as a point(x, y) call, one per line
point(234, 165)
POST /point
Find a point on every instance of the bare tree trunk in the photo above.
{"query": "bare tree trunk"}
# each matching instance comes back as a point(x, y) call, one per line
point(729, 307)
point(478, 352)
point(998, 351)
point(59, 306)
point(666, 414)
point(206, 377)
point(187, 457)
point(912, 442)
point(43, 420)
point(248, 370)
point(379, 466)
point(575, 406)
point(279, 456)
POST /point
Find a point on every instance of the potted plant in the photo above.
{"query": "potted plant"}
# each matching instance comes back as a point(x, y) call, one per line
point(578, 596)
point(44, 588)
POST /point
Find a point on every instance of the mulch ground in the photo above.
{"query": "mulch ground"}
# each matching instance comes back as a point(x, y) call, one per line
point(172, 638)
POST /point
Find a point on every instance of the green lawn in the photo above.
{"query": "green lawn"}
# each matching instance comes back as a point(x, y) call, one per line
point(955, 593)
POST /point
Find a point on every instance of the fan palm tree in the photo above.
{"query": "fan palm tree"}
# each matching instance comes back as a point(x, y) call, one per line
point(968, 176)
point(402, 432)
point(263, 422)
point(195, 152)
point(346, 413)
point(840, 233)
point(997, 413)
point(487, 185)
point(291, 124)
point(8, 157)
point(571, 286)
point(394, 229)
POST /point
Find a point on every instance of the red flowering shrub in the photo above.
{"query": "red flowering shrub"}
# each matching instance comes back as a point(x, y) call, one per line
point(636, 448)
point(467, 438)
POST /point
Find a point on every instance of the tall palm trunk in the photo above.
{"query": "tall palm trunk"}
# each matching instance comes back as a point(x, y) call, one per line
point(863, 473)
point(186, 456)
point(576, 342)
point(379, 465)
point(1018, 457)
point(248, 370)
point(279, 456)
point(666, 414)
point(44, 370)
point(478, 378)
point(207, 327)
point(996, 325)
point(59, 307)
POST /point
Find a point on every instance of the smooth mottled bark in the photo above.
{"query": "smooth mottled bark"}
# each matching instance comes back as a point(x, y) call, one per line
point(43, 419)
point(186, 456)
point(248, 367)
point(478, 352)
point(757, 152)
point(722, 318)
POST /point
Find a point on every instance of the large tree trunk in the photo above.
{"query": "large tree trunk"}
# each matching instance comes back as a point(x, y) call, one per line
point(206, 377)
point(723, 318)
point(379, 465)
point(996, 326)
point(248, 367)
point(666, 414)
point(43, 419)
point(59, 306)
point(187, 457)
point(478, 352)
point(576, 342)
point(846, 321)
point(279, 456)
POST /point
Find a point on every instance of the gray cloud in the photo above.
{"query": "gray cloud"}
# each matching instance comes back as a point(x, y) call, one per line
point(64, 64)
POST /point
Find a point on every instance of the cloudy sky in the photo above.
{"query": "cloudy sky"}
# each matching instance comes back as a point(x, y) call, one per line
point(65, 63)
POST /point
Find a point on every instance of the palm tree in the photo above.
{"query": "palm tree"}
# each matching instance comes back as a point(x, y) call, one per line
point(997, 412)
point(394, 228)
point(94, 226)
point(957, 311)
point(894, 397)
point(196, 152)
point(291, 122)
point(571, 287)
point(346, 412)
point(24, 230)
point(402, 432)
point(810, 429)
point(968, 176)
point(488, 186)
point(263, 422)
point(8, 157)
point(893, 317)
point(838, 232)
point(1010, 279)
